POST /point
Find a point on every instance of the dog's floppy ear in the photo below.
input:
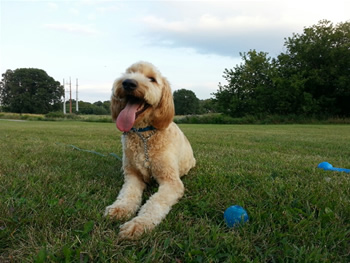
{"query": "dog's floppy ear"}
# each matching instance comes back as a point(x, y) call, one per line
point(116, 102)
point(164, 113)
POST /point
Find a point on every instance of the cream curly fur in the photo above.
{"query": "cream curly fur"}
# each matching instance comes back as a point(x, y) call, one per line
point(170, 153)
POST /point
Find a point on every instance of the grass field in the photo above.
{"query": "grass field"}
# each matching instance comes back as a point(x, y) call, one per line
point(53, 196)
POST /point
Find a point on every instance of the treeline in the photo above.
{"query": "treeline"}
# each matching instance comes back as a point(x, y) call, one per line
point(186, 103)
point(96, 108)
point(311, 78)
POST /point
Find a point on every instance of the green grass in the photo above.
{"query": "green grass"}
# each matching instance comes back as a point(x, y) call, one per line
point(53, 196)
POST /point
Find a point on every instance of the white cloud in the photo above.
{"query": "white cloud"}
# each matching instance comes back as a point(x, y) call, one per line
point(211, 24)
point(74, 11)
point(52, 5)
point(91, 17)
point(227, 28)
point(212, 34)
point(73, 28)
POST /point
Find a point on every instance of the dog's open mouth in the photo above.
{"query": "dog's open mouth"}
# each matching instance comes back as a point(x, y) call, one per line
point(134, 107)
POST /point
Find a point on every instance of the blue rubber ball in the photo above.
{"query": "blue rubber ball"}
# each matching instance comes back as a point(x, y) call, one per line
point(325, 166)
point(235, 215)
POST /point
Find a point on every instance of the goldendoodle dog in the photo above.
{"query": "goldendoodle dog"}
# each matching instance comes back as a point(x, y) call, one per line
point(153, 147)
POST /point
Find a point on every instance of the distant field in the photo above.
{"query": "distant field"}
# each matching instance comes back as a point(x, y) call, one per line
point(55, 116)
point(53, 196)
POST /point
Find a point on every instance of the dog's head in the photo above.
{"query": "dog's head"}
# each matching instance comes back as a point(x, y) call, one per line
point(142, 97)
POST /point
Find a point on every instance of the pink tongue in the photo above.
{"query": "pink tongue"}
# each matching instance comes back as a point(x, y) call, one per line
point(126, 117)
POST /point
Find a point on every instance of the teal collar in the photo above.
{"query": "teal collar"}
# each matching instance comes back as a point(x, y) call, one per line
point(148, 128)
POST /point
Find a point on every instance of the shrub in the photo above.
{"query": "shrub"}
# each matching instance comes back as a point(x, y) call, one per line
point(55, 114)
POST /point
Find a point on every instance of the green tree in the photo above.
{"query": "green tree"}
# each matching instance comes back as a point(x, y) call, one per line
point(311, 78)
point(104, 107)
point(249, 88)
point(317, 64)
point(186, 102)
point(30, 90)
point(207, 106)
point(289, 88)
point(107, 106)
point(97, 108)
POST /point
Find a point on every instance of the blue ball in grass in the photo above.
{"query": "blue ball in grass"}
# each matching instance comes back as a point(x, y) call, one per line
point(235, 215)
point(325, 166)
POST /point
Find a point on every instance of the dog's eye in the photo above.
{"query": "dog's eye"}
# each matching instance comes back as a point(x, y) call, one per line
point(152, 79)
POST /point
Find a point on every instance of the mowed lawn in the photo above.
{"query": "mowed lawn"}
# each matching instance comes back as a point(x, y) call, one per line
point(52, 196)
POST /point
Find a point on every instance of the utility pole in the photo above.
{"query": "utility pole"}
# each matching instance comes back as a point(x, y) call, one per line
point(64, 98)
point(76, 102)
point(70, 96)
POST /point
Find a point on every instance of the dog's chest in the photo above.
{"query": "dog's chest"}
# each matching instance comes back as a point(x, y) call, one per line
point(137, 153)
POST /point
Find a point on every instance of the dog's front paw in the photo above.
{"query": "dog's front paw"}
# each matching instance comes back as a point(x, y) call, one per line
point(118, 212)
point(135, 228)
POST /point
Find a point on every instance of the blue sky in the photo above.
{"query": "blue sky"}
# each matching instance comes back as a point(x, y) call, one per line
point(191, 42)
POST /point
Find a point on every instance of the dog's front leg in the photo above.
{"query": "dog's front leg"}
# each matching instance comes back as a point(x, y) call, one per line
point(154, 210)
point(129, 198)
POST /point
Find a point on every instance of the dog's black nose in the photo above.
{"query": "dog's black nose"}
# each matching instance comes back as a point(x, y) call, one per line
point(129, 84)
